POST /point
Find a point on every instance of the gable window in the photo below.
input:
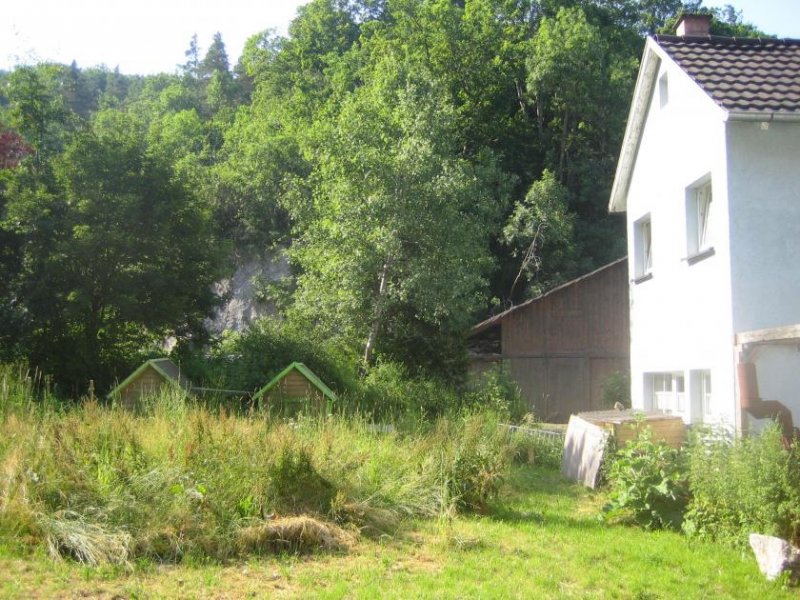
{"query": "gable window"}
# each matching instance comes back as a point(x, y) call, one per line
point(643, 249)
point(699, 213)
point(663, 90)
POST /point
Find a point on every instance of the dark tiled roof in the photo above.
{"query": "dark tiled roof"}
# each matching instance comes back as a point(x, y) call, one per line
point(751, 75)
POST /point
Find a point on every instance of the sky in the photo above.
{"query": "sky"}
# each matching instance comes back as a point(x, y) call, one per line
point(151, 36)
point(138, 36)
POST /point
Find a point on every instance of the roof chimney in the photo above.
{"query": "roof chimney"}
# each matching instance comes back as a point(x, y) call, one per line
point(690, 25)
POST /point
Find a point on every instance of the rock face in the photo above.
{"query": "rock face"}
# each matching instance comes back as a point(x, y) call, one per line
point(775, 556)
point(243, 306)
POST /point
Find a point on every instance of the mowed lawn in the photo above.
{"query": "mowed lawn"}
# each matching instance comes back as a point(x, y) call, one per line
point(542, 540)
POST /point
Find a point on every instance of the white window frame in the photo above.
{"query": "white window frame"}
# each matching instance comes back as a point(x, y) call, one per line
point(663, 90)
point(668, 392)
point(699, 219)
point(706, 395)
point(643, 242)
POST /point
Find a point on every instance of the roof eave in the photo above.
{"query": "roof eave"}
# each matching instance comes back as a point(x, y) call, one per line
point(762, 116)
point(497, 319)
point(642, 94)
point(303, 370)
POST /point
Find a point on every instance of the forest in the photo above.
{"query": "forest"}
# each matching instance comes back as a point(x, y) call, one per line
point(421, 163)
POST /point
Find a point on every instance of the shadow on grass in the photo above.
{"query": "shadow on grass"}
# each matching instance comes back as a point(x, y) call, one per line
point(541, 495)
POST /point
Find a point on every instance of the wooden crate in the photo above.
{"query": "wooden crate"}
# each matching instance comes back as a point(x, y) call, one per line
point(625, 425)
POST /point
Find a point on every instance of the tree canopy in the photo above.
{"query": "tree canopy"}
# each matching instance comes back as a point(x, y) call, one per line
point(421, 162)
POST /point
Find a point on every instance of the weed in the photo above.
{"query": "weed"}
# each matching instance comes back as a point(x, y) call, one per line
point(741, 486)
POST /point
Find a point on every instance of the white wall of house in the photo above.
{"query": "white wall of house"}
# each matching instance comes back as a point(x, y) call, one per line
point(681, 318)
point(764, 198)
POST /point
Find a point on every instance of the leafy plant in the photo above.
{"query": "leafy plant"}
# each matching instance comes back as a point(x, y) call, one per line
point(648, 481)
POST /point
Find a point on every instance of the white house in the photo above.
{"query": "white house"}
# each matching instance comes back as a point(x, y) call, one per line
point(709, 175)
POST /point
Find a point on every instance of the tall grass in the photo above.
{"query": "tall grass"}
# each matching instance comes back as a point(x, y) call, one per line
point(104, 485)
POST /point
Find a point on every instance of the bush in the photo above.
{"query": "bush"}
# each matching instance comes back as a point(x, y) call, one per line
point(743, 486)
point(390, 393)
point(497, 391)
point(617, 388)
point(248, 360)
point(648, 483)
point(478, 462)
point(534, 444)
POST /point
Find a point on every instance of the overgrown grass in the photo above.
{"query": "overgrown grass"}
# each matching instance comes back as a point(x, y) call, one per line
point(180, 501)
point(540, 539)
point(104, 485)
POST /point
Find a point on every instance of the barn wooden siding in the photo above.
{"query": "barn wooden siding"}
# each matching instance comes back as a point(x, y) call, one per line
point(562, 346)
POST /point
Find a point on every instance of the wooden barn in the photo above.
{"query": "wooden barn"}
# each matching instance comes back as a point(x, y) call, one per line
point(562, 347)
point(294, 390)
point(150, 379)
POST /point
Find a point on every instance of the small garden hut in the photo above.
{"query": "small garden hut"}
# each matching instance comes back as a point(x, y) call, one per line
point(294, 390)
point(150, 378)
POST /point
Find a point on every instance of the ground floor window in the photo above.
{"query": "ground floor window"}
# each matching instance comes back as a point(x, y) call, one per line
point(667, 392)
point(684, 393)
point(705, 392)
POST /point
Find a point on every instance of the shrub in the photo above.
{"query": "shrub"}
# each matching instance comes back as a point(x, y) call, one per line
point(534, 444)
point(743, 486)
point(391, 393)
point(617, 388)
point(248, 360)
point(475, 469)
point(497, 391)
point(648, 483)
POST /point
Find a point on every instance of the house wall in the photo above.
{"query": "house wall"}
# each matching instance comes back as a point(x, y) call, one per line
point(681, 319)
point(764, 184)
point(562, 347)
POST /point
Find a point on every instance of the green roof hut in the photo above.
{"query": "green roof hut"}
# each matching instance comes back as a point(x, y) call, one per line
point(150, 379)
point(294, 390)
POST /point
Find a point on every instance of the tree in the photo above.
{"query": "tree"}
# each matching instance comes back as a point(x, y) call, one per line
point(580, 86)
point(540, 234)
point(191, 68)
point(129, 258)
point(12, 149)
point(398, 238)
point(38, 111)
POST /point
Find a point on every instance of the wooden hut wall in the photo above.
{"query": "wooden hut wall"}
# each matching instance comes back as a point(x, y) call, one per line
point(148, 382)
point(561, 348)
point(295, 387)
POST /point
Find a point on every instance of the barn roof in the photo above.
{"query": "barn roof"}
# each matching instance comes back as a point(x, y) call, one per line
point(163, 366)
point(496, 319)
point(303, 370)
